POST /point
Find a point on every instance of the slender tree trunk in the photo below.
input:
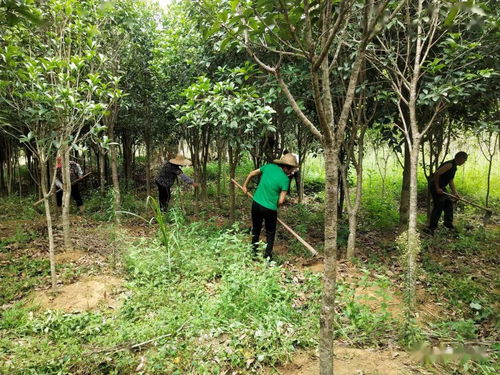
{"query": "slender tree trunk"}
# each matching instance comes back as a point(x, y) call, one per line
point(353, 211)
point(66, 200)
point(19, 174)
point(413, 243)
point(102, 171)
point(232, 174)
point(147, 140)
point(404, 205)
point(111, 121)
point(116, 183)
point(2, 178)
point(9, 168)
point(490, 162)
point(330, 273)
point(127, 156)
point(48, 216)
point(219, 174)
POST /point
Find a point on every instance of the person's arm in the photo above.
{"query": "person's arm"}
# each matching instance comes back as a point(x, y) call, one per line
point(79, 171)
point(186, 179)
point(453, 189)
point(282, 197)
point(251, 175)
point(445, 168)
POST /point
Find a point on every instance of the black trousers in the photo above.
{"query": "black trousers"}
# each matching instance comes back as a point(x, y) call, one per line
point(270, 218)
point(441, 203)
point(164, 196)
point(75, 194)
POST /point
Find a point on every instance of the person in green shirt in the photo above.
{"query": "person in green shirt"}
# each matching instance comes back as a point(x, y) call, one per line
point(271, 192)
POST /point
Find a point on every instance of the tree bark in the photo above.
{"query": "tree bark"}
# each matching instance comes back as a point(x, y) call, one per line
point(353, 210)
point(220, 156)
point(404, 202)
point(127, 144)
point(233, 161)
point(330, 274)
point(48, 217)
point(66, 199)
point(102, 171)
point(413, 244)
point(111, 120)
point(147, 140)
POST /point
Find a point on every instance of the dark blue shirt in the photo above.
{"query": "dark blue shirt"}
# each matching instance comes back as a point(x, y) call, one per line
point(168, 174)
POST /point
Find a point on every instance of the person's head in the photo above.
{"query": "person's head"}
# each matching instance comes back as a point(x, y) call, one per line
point(287, 162)
point(461, 157)
point(285, 151)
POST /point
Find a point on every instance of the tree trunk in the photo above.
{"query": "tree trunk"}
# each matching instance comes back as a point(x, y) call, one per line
point(404, 205)
point(102, 171)
point(232, 191)
point(2, 178)
point(412, 244)
point(220, 151)
point(18, 163)
point(490, 162)
point(111, 120)
point(116, 184)
point(48, 216)
point(66, 200)
point(127, 144)
point(147, 140)
point(9, 167)
point(330, 273)
point(353, 211)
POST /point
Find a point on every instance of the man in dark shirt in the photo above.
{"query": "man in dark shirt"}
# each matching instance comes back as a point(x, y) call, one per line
point(75, 172)
point(443, 177)
point(168, 175)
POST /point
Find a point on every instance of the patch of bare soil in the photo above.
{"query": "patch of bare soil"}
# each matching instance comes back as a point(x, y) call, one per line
point(87, 294)
point(352, 361)
point(374, 296)
point(70, 256)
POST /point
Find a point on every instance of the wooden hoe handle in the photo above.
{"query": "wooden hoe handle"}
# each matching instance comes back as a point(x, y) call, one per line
point(301, 240)
point(466, 201)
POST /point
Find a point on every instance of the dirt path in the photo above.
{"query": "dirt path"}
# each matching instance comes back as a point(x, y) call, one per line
point(352, 361)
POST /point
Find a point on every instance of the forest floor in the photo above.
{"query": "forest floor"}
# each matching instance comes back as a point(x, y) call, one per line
point(457, 305)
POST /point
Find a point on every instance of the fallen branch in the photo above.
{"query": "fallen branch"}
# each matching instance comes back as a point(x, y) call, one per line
point(123, 347)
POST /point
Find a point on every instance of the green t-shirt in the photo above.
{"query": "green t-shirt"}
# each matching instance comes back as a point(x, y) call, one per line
point(272, 182)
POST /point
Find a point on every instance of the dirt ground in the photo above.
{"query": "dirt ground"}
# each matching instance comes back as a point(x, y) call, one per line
point(372, 295)
point(352, 361)
point(97, 292)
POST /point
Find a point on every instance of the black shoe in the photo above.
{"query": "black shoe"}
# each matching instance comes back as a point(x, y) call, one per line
point(451, 228)
point(429, 231)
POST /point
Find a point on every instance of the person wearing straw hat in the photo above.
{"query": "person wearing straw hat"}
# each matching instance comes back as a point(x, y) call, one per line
point(271, 193)
point(168, 175)
point(295, 175)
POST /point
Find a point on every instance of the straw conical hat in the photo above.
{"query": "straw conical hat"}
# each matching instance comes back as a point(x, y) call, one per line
point(287, 159)
point(180, 160)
